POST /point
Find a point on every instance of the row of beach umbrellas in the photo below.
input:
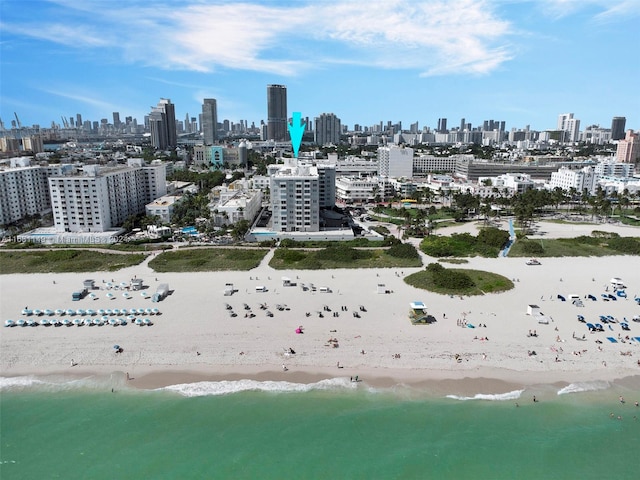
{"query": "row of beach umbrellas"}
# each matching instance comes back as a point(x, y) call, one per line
point(79, 322)
point(82, 312)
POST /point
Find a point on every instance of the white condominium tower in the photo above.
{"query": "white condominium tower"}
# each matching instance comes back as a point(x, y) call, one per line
point(297, 195)
point(103, 198)
point(395, 162)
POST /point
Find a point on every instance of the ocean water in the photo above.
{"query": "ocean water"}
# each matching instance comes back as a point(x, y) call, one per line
point(332, 429)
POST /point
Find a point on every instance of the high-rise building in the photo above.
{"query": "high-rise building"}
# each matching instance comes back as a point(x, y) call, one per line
point(570, 125)
point(101, 199)
point(298, 192)
point(277, 113)
point(629, 148)
point(395, 162)
point(442, 125)
point(618, 125)
point(162, 124)
point(210, 121)
point(327, 129)
point(116, 119)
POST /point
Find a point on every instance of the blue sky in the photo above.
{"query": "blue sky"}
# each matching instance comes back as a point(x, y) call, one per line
point(520, 61)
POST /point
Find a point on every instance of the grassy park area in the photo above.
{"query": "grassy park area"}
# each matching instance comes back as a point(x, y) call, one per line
point(596, 245)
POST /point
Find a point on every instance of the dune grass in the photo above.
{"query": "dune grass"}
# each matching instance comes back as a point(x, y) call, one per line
point(208, 260)
point(67, 260)
point(474, 282)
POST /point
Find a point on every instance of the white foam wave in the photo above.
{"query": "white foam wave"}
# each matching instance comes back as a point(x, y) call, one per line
point(7, 383)
point(514, 395)
point(225, 387)
point(584, 387)
point(53, 383)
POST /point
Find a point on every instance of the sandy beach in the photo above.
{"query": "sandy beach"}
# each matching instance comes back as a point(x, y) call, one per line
point(194, 337)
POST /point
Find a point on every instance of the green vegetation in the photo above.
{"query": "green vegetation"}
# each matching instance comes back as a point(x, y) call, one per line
point(438, 279)
point(456, 261)
point(65, 260)
point(356, 242)
point(599, 244)
point(488, 243)
point(343, 256)
point(207, 260)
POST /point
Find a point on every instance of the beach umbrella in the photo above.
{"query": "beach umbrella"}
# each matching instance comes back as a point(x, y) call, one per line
point(115, 311)
point(116, 347)
point(26, 311)
point(147, 321)
point(96, 321)
point(139, 321)
point(126, 295)
point(66, 321)
point(54, 322)
point(31, 323)
point(148, 311)
point(37, 312)
point(133, 311)
point(59, 311)
point(22, 322)
point(112, 321)
point(108, 311)
point(123, 321)
point(123, 284)
point(93, 295)
point(77, 322)
point(44, 322)
point(48, 312)
point(87, 322)
point(9, 323)
point(80, 311)
point(91, 312)
point(70, 312)
point(102, 311)
point(131, 318)
point(143, 294)
point(140, 311)
point(155, 311)
point(110, 296)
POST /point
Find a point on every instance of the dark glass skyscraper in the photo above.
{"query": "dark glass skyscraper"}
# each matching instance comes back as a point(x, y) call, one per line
point(162, 123)
point(618, 125)
point(210, 121)
point(277, 113)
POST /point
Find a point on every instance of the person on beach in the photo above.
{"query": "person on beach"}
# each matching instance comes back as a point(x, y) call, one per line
point(535, 400)
point(284, 368)
point(128, 377)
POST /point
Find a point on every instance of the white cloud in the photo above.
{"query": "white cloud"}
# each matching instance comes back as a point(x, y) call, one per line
point(435, 37)
point(607, 10)
point(72, 35)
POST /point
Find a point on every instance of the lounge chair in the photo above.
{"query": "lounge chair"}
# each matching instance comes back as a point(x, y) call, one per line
point(612, 340)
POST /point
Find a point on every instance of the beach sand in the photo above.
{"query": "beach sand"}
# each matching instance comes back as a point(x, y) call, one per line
point(195, 339)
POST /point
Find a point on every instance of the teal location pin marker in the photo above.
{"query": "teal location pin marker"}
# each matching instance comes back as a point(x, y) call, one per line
point(296, 129)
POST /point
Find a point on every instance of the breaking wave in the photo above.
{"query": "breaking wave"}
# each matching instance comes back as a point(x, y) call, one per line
point(514, 395)
point(584, 387)
point(226, 387)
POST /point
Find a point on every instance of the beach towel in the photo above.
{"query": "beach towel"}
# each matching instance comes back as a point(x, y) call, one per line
point(612, 340)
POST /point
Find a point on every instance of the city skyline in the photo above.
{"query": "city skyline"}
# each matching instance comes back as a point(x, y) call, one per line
point(520, 61)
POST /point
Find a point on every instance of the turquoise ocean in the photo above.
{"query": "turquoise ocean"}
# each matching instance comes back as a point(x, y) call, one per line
point(335, 429)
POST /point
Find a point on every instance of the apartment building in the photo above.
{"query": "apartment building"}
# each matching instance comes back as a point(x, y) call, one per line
point(100, 199)
point(395, 161)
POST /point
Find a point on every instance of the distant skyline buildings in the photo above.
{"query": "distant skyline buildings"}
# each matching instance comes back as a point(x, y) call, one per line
point(277, 113)
point(327, 129)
